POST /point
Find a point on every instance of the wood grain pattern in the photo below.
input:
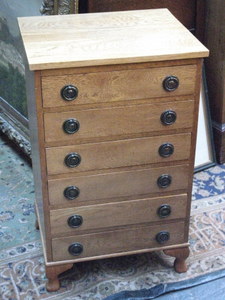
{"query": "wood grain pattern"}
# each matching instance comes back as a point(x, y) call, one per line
point(117, 67)
point(113, 86)
point(106, 38)
point(116, 154)
point(118, 184)
point(110, 242)
point(183, 10)
point(158, 248)
point(191, 13)
point(116, 214)
point(120, 121)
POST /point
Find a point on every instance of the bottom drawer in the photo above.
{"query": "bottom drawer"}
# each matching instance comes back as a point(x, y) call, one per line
point(95, 245)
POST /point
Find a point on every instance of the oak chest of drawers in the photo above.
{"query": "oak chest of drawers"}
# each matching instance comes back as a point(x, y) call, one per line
point(113, 105)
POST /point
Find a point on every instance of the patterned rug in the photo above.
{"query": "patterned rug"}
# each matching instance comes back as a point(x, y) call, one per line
point(22, 273)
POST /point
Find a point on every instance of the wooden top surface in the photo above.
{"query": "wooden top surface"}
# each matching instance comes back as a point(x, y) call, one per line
point(106, 38)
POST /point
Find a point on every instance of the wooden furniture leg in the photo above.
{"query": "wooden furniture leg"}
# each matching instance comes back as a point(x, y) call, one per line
point(36, 222)
point(52, 273)
point(181, 254)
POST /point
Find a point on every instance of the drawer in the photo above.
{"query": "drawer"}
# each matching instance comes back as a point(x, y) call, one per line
point(75, 126)
point(116, 185)
point(117, 85)
point(117, 242)
point(114, 154)
point(103, 216)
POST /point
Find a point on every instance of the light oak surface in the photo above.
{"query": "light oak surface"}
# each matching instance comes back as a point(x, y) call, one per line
point(118, 62)
point(111, 122)
point(116, 214)
point(116, 154)
point(118, 184)
point(112, 86)
point(117, 67)
point(110, 242)
point(106, 38)
point(33, 85)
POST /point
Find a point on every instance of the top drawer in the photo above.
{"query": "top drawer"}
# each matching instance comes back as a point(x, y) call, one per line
point(118, 85)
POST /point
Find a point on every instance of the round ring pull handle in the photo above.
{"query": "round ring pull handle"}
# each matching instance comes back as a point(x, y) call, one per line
point(75, 221)
point(71, 192)
point(164, 181)
point(166, 150)
point(164, 211)
point(71, 126)
point(170, 83)
point(162, 237)
point(69, 92)
point(168, 117)
point(75, 249)
point(72, 160)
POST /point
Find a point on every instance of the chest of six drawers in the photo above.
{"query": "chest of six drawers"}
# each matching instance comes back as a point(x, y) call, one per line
point(132, 146)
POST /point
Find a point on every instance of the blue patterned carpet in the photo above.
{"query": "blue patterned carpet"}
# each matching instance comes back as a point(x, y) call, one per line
point(16, 199)
point(209, 183)
point(22, 275)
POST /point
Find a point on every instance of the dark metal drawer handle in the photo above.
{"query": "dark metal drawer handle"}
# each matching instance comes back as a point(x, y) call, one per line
point(170, 83)
point(168, 117)
point(75, 221)
point(71, 126)
point(72, 160)
point(162, 237)
point(71, 192)
point(164, 181)
point(164, 211)
point(166, 150)
point(75, 249)
point(69, 92)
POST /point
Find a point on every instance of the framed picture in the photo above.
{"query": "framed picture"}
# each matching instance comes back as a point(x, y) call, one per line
point(205, 150)
point(13, 102)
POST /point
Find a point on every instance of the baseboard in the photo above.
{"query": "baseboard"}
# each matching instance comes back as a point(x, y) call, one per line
point(219, 141)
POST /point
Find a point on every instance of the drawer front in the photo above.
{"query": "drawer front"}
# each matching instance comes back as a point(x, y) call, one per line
point(116, 85)
point(74, 220)
point(118, 184)
point(116, 121)
point(117, 242)
point(123, 153)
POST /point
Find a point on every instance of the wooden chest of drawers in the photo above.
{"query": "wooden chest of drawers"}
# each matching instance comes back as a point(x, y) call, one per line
point(113, 112)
